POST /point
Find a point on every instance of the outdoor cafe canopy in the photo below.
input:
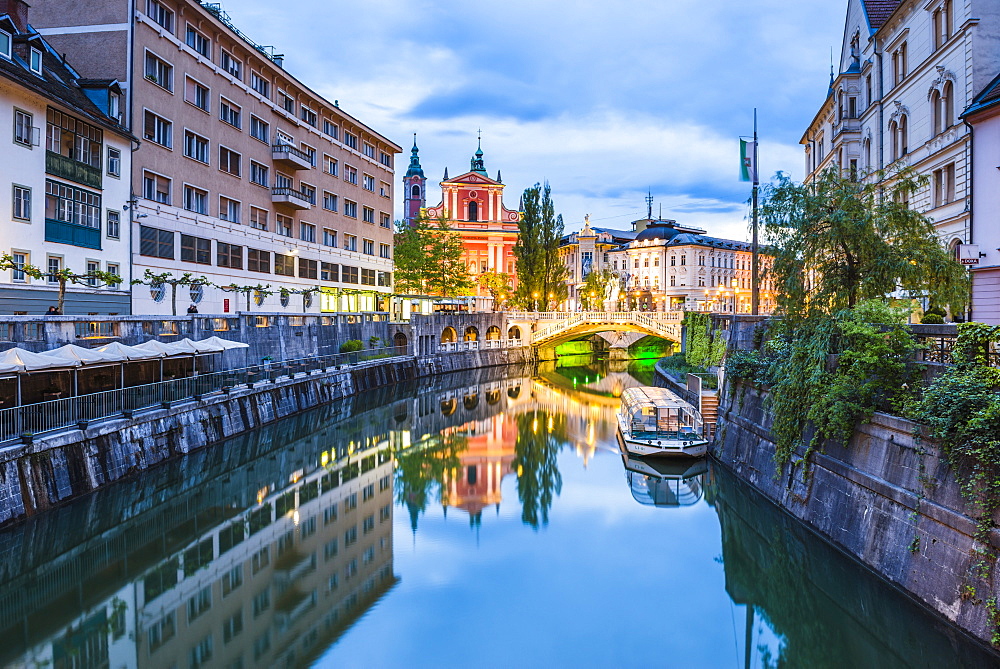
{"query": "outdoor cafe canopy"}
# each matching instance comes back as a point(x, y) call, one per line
point(85, 356)
point(20, 360)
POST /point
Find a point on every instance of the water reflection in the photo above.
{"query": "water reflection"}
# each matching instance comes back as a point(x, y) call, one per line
point(277, 549)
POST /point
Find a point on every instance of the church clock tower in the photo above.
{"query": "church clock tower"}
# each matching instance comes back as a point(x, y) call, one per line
point(414, 187)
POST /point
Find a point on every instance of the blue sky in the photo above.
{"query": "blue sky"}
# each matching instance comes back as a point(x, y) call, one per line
point(603, 99)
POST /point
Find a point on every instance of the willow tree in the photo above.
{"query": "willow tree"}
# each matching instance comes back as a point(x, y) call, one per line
point(838, 241)
point(541, 275)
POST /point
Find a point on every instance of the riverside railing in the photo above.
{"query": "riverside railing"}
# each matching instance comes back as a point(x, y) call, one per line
point(31, 419)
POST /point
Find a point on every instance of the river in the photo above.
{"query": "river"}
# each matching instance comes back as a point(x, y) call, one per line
point(483, 519)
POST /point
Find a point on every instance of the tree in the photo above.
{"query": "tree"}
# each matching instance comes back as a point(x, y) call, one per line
point(536, 452)
point(428, 259)
point(838, 241)
point(498, 285)
point(187, 279)
point(541, 274)
point(63, 277)
point(262, 289)
point(597, 288)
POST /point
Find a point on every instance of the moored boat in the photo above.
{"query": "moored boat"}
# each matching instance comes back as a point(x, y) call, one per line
point(656, 421)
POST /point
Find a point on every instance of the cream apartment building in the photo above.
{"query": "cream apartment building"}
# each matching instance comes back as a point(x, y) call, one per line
point(64, 174)
point(245, 175)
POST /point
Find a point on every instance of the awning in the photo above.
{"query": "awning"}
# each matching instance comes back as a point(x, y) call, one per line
point(225, 344)
point(128, 352)
point(198, 346)
point(85, 356)
point(19, 360)
point(162, 349)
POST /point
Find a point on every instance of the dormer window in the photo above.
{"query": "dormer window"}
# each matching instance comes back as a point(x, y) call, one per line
point(35, 61)
point(5, 44)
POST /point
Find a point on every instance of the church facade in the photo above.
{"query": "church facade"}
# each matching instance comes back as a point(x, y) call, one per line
point(472, 203)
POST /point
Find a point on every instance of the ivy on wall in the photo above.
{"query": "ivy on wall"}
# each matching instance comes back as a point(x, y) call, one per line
point(703, 348)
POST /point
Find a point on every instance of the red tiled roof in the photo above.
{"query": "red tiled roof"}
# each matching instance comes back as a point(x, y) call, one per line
point(879, 11)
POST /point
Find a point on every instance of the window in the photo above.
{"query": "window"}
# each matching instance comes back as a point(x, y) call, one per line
point(386, 159)
point(351, 140)
point(35, 61)
point(201, 654)
point(196, 250)
point(944, 185)
point(329, 201)
point(350, 208)
point(260, 84)
point(368, 182)
point(195, 199)
point(384, 250)
point(17, 274)
point(23, 133)
point(329, 272)
point(282, 180)
point(259, 261)
point(231, 65)
point(307, 232)
point(156, 243)
point(159, 71)
point(284, 265)
point(114, 224)
point(284, 225)
point(329, 237)
point(232, 627)
point(258, 218)
point(5, 44)
point(942, 108)
point(230, 113)
point(74, 139)
point(72, 205)
point(899, 64)
point(367, 277)
point(385, 279)
point(232, 580)
point(196, 94)
point(229, 161)
point(157, 129)
point(160, 15)
point(258, 174)
point(348, 274)
point(196, 147)
point(942, 24)
point(368, 247)
point(368, 215)
point(309, 192)
point(350, 175)
point(162, 631)
point(350, 243)
point(114, 162)
point(199, 603)
point(308, 115)
point(261, 603)
point(198, 42)
point(331, 129)
point(229, 209)
point(310, 153)
point(259, 129)
point(287, 103)
point(22, 203)
point(385, 221)
point(329, 165)
point(307, 269)
point(683, 260)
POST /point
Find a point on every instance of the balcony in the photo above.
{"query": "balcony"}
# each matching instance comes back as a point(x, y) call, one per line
point(67, 168)
point(291, 198)
point(61, 232)
point(288, 156)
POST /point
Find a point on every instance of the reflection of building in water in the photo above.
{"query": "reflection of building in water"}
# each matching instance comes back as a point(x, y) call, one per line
point(288, 575)
point(484, 462)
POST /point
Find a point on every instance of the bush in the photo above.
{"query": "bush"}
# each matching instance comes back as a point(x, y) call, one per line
point(930, 318)
point(351, 345)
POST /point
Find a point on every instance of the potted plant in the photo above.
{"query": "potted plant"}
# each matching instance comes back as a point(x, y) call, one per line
point(27, 438)
point(82, 424)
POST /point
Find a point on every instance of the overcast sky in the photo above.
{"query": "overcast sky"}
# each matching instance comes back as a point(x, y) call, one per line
point(605, 100)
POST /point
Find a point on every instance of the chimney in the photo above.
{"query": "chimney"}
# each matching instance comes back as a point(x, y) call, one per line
point(18, 11)
point(278, 58)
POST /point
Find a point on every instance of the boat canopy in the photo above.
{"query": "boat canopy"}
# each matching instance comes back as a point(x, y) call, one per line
point(659, 412)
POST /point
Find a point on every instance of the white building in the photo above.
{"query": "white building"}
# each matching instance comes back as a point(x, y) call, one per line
point(65, 177)
point(907, 69)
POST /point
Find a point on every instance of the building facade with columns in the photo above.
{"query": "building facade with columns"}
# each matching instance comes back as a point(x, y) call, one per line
point(589, 251)
point(907, 69)
point(472, 203)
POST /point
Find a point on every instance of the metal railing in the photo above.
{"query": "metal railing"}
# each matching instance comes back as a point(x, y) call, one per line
point(666, 323)
point(32, 419)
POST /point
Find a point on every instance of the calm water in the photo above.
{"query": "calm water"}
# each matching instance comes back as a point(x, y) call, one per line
point(482, 520)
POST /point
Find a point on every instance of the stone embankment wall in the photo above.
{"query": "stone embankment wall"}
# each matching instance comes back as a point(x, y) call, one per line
point(888, 498)
point(65, 465)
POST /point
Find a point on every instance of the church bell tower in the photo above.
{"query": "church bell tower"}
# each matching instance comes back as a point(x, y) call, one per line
point(414, 187)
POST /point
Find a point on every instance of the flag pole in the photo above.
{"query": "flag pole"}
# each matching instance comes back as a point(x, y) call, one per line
point(755, 270)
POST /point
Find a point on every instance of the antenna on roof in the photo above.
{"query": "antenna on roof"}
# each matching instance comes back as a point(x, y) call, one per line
point(649, 205)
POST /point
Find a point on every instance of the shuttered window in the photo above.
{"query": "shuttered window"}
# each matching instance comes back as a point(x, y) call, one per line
point(156, 243)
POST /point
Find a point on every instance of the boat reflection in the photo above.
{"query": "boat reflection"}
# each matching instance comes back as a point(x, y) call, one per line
point(665, 483)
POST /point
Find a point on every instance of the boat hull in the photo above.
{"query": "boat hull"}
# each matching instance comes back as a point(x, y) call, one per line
point(670, 448)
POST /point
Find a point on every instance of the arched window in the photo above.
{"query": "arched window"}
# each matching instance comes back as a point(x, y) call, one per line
point(514, 333)
point(416, 192)
point(868, 153)
point(399, 339)
point(448, 335)
point(947, 106)
point(471, 333)
point(473, 211)
point(903, 132)
point(492, 333)
point(936, 110)
point(894, 139)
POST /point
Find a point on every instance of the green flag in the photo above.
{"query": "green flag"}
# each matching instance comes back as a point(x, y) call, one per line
point(748, 164)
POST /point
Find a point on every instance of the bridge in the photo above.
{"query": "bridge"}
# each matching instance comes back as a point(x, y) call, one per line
point(553, 328)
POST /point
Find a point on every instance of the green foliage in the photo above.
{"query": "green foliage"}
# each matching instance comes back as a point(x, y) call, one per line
point(541, 275)
point(931, 319)
point(498, 285)
point(420, 472)
point(703, 347)
point(961, 408)
point(677, 366)
point(428, 259)
point(597, 288)
point(351, 345)
point(838, 241)
point(872, 371)
point(540, 436)
point(748, 366)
